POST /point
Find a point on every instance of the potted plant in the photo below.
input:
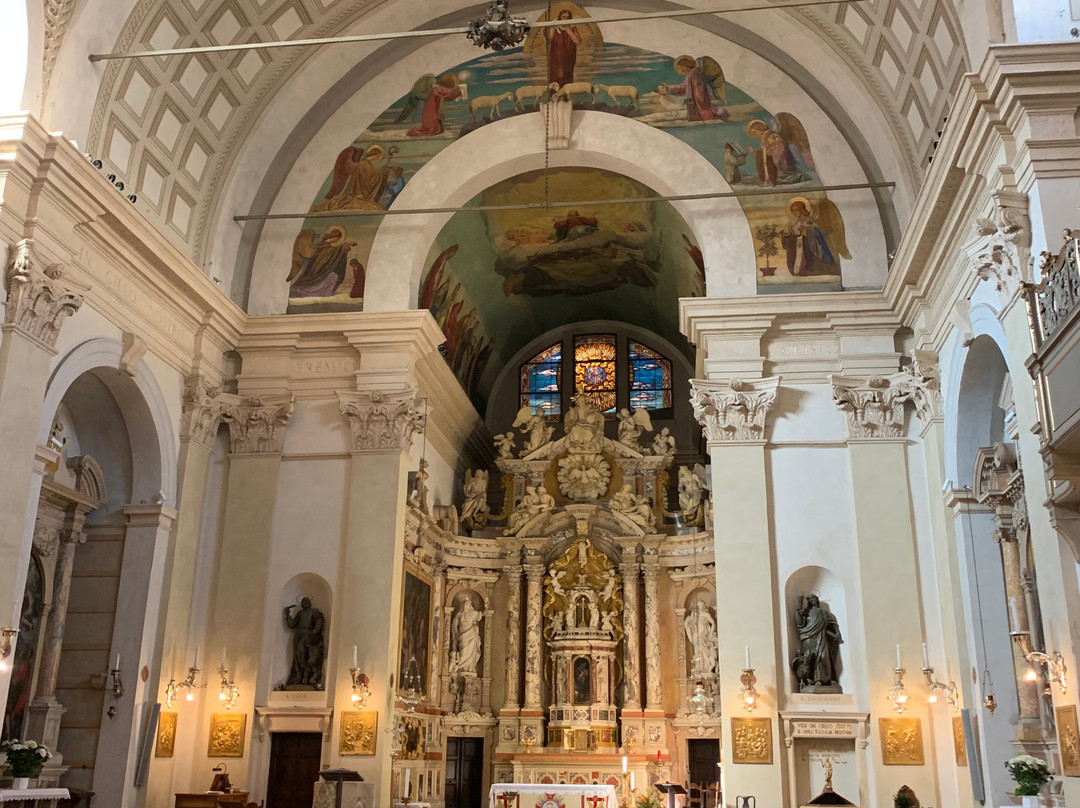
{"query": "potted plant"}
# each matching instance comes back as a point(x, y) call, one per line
point(24, 759)
point(1030, 774)
point(902, 800)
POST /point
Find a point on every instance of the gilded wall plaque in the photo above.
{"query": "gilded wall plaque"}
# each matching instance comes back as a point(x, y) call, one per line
point(751, 739)
point(958, 742)
point(901, 741)
point(1068, 740)
point(227, 733)
point(166, 735)
point(358, 732)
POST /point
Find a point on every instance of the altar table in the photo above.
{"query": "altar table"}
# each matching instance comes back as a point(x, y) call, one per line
point(33, 796)
point(551, 795)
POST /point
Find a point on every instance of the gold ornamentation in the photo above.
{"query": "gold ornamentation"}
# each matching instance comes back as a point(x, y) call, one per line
point(166, 735)
point(1068, 740)
point(358, 732)
point(901, 741)
point(752, 740)
point(227, 734)
point(958, 740)
point(599, 574)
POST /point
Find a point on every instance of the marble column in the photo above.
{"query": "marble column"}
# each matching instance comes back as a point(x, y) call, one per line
point(513, 637)
point(733, 417)
point(630, 569)
point(534, 574)
point(651, 572)
point(37, 304)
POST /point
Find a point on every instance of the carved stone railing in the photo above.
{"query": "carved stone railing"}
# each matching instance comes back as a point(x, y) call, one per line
point(1052, 302)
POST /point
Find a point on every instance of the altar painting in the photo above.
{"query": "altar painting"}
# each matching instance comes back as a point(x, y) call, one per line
point(415, 630)
point(687, 96)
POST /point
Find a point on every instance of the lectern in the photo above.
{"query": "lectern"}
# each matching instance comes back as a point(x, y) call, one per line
point(672, 790)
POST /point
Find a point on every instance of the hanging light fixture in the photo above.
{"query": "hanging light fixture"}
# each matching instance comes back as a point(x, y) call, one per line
point(898, 695)
point(699, 701)
point(413, 695)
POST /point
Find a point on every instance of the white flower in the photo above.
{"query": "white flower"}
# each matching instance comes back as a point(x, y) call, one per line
point(32, 744)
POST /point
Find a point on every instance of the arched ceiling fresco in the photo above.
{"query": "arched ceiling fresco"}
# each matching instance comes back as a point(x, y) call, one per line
point(502, 274)
point(799, 234)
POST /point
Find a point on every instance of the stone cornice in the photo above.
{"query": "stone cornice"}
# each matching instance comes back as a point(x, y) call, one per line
point(733, 411)
point(382, 422)
point(37, 300)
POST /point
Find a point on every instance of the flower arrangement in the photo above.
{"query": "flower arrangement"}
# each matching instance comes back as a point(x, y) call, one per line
point(1030, 774)
point(25, 758)
point(647, 801)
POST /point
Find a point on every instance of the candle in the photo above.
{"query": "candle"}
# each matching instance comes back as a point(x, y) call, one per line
point(354, 657)
point(407, 773)
point(624, 764)
point(223, 649)
point(631, 781)
point(925, 657)
point(657, 755)
point(195, 664)
point(898, 665)
point(116, 667)
point(747, 666)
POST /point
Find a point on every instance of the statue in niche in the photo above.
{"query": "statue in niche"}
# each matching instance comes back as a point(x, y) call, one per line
point(475, 509)
point(465, 641)
point(637, 509)
point(539, 433)
point(309, 649)
point(817, 665)
point(700, 629)
point(692, 495)
point(631, 425)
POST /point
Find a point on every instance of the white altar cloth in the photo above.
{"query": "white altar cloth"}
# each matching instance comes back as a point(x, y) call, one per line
point(33, 794)
point(553, 795)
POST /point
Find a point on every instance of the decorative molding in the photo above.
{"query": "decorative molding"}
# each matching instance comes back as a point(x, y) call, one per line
point(921, 383)
point(874, 408)
point(134, 349)
point(57, 17)
point(37, 303)
point(733, 411)
point(383, 422)
point(202, 409)
point(257, 423)
point(1003, 249)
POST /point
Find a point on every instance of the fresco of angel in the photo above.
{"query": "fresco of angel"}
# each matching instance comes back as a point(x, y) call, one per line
point(776, 160)
point(815, 240)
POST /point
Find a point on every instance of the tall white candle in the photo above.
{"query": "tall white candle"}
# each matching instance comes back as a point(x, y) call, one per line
point(195, 664)
point(117, 666)
point(624, 764)
point(408, 772)
point(223, 650)
point(925, 657)
point(747, 657)
point(354, 657)
point(631, 781)
point(898, 656)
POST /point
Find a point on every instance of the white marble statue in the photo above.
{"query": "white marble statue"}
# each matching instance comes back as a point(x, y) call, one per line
point(637, 509)
point(584, 426)
point(701, 632)
point(602, 681)
point(475, 510)
point(505, 444)
point(465, 641)
point(560, 680)
point(535, 502)
point(631, 425)
point(538, 431)
point(692, 494)
point(664, 443)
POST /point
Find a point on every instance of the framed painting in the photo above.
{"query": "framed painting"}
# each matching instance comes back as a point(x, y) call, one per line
point(901, 741)
point(1068, 740)
point(415, 628)
point(358, 732)
point(227, 733)
point(166, 736)
point(751, 740)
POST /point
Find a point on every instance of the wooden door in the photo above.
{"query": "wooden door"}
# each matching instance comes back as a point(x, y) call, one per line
point(702, 756)
point(464, 773)
point(294, 768)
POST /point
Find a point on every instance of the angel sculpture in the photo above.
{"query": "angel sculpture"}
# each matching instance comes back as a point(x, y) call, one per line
point(475, 509)
point(636, 509)
point(505, 444)
point(692, 494)
point(539, 433)
point(632, 425)
point(776, 159)
point(664, 443)
point(815, 241)
point(535, 502)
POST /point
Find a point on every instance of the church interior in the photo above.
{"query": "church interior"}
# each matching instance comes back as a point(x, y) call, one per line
point(540, 404)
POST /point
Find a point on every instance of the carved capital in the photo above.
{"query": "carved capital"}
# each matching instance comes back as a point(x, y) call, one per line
point(257, 423)
point(735, 411)
point(874, 408)
point(202, 410)
point(383, 422)
point(37, 302)
point(921, 384)
point(1002, 250)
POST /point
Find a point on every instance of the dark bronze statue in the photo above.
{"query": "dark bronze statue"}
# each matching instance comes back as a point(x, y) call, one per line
point(309, 648)
point(817, 665)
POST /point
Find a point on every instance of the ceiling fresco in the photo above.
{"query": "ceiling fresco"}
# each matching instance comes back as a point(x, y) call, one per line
point(798, 235)
point(498, 278)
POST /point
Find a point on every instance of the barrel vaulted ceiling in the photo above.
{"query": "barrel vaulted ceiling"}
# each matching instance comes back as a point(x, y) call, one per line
point(173, 126)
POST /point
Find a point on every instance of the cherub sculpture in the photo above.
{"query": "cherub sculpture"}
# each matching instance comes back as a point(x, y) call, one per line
point(631, 425)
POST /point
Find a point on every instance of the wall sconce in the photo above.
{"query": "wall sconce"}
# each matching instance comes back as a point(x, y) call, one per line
point(898, 694)
point(7, 645)
point(747, 694)
point(172, 690)
point(229, 692)
point(1055, 663)
point(360, 689)
point(117, 684)
point(952, 696)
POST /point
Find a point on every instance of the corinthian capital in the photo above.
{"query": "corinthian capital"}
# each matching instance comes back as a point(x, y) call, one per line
point(734, 411)
point(37, 302)
point(874, 407)
point(1002, 251)
point(383, 422)
point(257, 423)
point(202, 409)
point(922, 384)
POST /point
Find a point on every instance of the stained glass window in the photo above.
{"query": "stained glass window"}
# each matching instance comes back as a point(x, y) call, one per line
point(540, 382)
point(650, 378)
point(594, 370)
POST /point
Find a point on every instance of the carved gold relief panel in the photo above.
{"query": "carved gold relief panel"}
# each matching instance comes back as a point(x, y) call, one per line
point(166, 735)
point(227, 732)
point(901, 741)
point(358, 732)
point(751, 740)
point(958, 741)
point(1068, 740)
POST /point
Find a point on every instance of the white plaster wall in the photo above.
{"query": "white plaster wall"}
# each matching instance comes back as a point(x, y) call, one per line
point(1040, 20)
